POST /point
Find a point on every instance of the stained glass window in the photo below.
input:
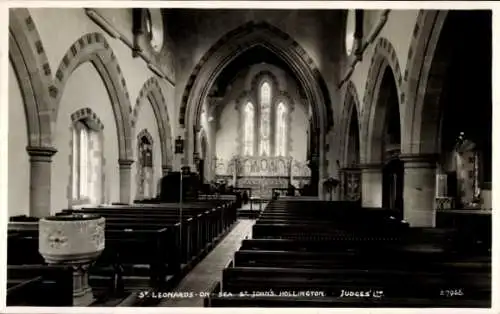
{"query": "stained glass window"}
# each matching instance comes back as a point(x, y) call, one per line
point(265, 117)
point(281, 130)
point(249, 129)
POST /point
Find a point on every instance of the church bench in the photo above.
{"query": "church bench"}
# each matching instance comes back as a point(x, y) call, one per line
point(362, 259)
point(308, 245)
point(226, 214)
point(331, 211)
point(198, 229)
point(316, 232)
point(151, 246)
point(331, 282)
point(360, 224)
point(39, 285)
point(474, 226)
point(339, 302)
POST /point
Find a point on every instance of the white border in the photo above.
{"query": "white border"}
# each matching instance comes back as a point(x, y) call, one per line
point(5, 4)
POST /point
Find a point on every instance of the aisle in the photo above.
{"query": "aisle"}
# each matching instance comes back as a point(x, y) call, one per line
point(209, 270)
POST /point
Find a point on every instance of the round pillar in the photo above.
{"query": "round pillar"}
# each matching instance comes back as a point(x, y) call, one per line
point(419, 189)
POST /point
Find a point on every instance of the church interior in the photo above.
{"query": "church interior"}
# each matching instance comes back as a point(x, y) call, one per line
point(176, 157)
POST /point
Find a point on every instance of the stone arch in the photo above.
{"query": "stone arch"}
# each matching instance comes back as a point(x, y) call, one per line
point(90, 116)
point(238, 41)
point(31, 65)
point(151, 90)
point(351, 104)
point(94, 48)
point(384, 56)
point(421, 135)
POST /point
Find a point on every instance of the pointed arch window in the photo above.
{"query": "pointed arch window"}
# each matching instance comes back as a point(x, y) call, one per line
point(87, 162)
point(249, 129)
point(265, 124)
point(281, 129)
point(265, 119)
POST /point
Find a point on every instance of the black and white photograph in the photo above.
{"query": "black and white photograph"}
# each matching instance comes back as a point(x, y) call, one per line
point(194, 155)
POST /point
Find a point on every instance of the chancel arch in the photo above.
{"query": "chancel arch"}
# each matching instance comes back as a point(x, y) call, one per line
point(270, 38)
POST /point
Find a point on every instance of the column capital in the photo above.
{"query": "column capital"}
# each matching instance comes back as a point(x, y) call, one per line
point(419, 160)
point(41, 153)
point(125, 163)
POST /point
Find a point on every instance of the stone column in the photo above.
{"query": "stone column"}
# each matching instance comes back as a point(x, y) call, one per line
point(40, 180)
point(125, 179)
point(419, 189)
point(371, 185)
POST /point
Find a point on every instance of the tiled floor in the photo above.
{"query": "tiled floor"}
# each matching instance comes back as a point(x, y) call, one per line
point(209, 270)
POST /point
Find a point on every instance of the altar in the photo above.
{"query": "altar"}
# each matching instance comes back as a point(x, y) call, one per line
point(262, 173)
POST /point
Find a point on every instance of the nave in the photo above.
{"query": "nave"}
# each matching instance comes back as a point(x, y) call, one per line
point(318, 158)
point(299, 252)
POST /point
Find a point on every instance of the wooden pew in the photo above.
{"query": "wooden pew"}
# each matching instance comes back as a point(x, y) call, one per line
point(394, 283)
point(141, 241)
point(331, 248)
point(199, 230)
point(233, 300)
point(362, 259)
point(39, 285)
point(144, 245)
